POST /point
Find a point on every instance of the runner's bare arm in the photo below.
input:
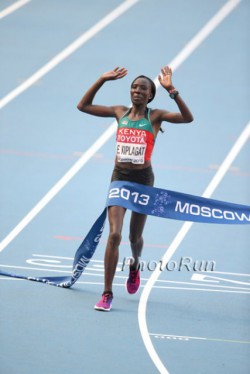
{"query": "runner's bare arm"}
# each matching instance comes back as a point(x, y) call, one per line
point(86, 103)
point(185, 115)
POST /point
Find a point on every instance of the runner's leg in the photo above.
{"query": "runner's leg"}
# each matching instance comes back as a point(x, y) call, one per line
point(137, 223)
point(116, 216)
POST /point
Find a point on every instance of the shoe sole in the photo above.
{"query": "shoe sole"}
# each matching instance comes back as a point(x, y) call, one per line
point(100, 309)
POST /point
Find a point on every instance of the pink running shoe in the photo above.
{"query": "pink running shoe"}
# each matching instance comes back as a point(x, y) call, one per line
point(105, 303)
point(133, 281)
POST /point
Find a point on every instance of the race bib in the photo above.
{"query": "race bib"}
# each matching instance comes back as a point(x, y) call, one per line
point(134, 153)
point(131, 146)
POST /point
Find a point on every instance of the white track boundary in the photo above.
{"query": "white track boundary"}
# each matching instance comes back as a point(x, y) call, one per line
point(180, 58)
point(12, 8)
point(142, 308)
point(117, 12)
point(175, 63)
point(239, 144)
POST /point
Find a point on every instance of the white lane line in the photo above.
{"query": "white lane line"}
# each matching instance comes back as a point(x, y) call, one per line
point(99, 273)
point(199, 38)
point(12, 8)
point(187, 338)
point(59, 185)
point(117, 12)
point(226, 273)
point(235, 290)
point(193, 44)
point(92, 150)
point(244, 136)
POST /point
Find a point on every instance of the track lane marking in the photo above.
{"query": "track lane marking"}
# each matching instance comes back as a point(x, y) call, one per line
point(86, 36)
point(12, 8)
point(187, 338)
point(209, 27)
point(166, 284)
point(240, 142)
point(175, 63)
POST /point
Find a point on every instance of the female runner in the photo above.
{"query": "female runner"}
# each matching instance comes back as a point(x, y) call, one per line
point(137, 129)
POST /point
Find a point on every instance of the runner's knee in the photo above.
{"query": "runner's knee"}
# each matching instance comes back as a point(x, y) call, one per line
point(114, 239)
point(135, 239)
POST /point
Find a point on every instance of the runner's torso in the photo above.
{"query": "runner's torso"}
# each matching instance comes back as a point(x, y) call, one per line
point(134, 142)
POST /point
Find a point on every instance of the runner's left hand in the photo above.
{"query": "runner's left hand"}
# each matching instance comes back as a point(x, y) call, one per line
point(165, 78)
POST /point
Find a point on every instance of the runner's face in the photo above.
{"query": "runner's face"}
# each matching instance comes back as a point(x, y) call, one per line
point(140, 91)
